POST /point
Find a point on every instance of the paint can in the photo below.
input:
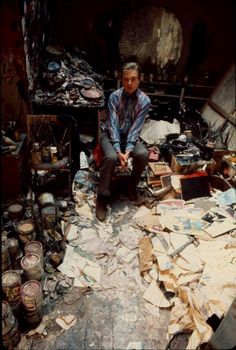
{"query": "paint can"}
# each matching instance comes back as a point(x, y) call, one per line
point(46, 199)
point(35, 247)
point(189, 135)
point(10, 329)
point(26, 231)
point(45, 155)
point(15, 212)
point(6, 261)
point(49, 217)
point(13, 247)
point(36, 158)
point(53, 151)
point(15, 253)
point(32, 266)
point(11, 284)
point(32, 301)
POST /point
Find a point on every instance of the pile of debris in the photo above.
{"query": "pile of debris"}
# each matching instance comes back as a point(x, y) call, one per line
point(67, 79)
point(164, 250)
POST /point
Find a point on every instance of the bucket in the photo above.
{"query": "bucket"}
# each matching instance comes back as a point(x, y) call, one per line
point(35, 247)
point(10, 329)
point(6, 261)
point(32, 266)
point(26, 231)
point(32, 300)
point(11, 284)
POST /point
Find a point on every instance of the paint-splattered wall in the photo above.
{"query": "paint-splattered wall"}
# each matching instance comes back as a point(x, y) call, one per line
point(35, 20)
point(23, 34)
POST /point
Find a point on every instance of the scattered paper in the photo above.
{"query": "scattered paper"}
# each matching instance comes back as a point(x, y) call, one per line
point(66, 322)
point(145, 254)
point(155, 295)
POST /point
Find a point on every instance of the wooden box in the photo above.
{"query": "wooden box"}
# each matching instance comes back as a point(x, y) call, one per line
point(179, 168)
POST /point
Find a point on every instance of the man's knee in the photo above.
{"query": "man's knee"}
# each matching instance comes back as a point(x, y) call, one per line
point(111, 158)
point(141, 154)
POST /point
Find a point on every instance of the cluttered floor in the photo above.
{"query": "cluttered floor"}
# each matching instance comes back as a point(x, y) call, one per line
point(157, 267)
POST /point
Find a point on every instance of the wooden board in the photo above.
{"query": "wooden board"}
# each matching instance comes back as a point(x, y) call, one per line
point(221, 107)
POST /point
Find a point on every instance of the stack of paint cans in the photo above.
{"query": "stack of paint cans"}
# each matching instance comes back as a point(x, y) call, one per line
point(10, 329)
point(32, 301)
point(32, 266)
point(11, 285)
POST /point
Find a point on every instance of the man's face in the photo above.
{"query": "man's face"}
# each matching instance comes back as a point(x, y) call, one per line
point(130, 80)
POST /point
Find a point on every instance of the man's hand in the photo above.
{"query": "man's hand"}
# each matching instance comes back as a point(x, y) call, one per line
point(123, 158)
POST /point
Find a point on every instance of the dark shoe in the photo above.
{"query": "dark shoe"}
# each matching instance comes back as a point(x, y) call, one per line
point(132, 193)
point(101, 207)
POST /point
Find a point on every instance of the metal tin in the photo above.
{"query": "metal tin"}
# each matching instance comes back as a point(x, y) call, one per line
point(16, 265)
point(35, 247)
point(32, 300)
point(45, 155)
point(6, 261)
point(53, 151)
point(36, 158)
point(10, 329)
point(32, 266)
point(11, 284)
point(15, 211)
point(13, 247)
point(49, 216)
point(46, 199)
point(8, 318)
point(15, 253)
point(26, 231)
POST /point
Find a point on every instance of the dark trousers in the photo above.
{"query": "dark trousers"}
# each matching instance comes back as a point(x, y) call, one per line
point(110, 160)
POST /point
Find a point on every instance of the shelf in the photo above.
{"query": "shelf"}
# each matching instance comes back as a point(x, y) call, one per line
point(60, 164)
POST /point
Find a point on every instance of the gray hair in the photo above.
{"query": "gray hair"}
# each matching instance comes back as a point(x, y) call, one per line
point(131, 66)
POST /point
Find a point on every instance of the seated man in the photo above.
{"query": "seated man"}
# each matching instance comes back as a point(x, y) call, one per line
point(127, 110)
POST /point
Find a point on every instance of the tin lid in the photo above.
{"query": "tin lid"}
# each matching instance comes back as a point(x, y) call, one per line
point(30, 288)
point(10, 277)
point(30, 260)
point(33, 247)
point(25, 227)
point(15, 208)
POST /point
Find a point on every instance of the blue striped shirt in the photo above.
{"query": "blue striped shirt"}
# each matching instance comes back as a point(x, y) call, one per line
point(126, 117)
